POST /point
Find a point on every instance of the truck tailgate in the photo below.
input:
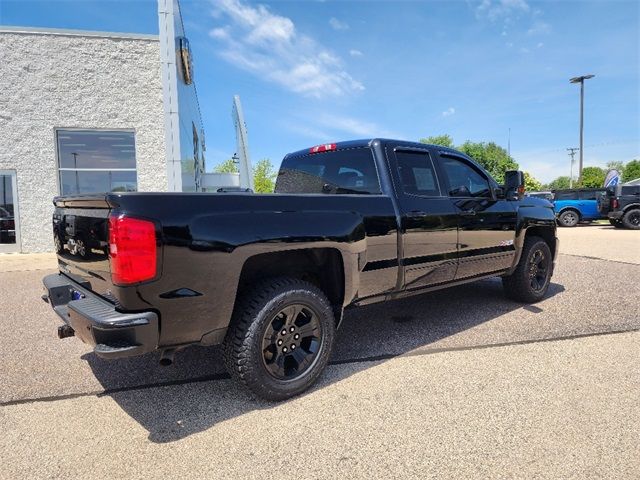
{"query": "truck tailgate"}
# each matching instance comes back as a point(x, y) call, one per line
point(80, 229)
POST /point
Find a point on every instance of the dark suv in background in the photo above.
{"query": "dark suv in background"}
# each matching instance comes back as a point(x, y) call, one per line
point(621, 204)
point(577, 205)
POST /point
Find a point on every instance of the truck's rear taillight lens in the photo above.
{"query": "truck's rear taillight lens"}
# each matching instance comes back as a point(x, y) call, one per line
point(133, 250)
point(614, 203)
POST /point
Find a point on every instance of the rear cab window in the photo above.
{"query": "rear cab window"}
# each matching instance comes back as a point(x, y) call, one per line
point(347, 171)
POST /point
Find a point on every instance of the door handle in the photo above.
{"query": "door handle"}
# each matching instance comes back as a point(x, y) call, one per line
point(468, 213)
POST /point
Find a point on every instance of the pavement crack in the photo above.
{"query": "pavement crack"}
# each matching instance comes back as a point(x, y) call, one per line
point(599, 258)
point(376, 358)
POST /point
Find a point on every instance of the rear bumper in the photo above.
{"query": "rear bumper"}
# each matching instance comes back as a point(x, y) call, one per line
point(96, 322)
point(617, 215)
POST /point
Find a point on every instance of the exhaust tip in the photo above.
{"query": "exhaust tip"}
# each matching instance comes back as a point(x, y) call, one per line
point(166, 358)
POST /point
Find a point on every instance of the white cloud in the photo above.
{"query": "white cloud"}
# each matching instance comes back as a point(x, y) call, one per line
point(350, 125)
point(337, 24)
point(540, 45)
point(268, 46)
point(355, 53)
point(331, 127)
point(494, 10)
point(539, 28)
point(221, 33)
point(448, 112)
point(316, 134)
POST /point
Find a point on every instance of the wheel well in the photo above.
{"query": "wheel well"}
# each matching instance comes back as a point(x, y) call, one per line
point(546, 233)
point(322, 267)
point(573, 209)
point(631, 207)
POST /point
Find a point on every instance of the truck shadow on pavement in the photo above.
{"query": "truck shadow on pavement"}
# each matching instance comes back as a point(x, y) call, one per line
point(188, 397)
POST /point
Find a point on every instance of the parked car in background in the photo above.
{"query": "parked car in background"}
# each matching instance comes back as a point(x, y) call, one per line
point(544, 195)
point(7, 227)
point(577, 205)
point(621, 204)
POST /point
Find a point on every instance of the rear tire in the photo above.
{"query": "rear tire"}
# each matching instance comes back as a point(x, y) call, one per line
point(530, 280)
point(280, 338)
point(631, 219)
point(569, 218)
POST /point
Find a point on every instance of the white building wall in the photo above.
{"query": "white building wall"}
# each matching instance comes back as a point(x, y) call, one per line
point(83, 80)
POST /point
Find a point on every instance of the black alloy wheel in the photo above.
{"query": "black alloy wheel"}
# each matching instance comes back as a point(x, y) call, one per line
point(530, 280)
point(538, 270)
point(280, 338)
point(631, 219)
point(291, 341)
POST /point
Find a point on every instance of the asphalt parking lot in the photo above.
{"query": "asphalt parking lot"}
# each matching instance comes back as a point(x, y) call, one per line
point(457, 383)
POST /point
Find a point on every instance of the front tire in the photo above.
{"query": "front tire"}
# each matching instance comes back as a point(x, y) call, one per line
point(530, 280)
point(280, 338)
point(631, 219)
point(569, 218)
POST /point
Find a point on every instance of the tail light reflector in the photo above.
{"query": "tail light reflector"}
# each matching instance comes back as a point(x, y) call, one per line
point(614, 203)
point(132, 249)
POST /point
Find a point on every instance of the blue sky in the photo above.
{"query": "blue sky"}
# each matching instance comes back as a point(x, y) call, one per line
point(311, 72)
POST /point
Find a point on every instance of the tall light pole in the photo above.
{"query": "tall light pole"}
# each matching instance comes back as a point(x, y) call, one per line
point(581, 80)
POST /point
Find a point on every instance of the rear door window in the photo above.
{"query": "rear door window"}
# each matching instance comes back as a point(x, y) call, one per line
point(349, 171)
point(566, 196)
point(417, 173)
point(590, 194)
point(630, 190)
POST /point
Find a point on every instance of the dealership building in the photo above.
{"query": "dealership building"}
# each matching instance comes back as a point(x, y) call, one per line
point(90, 112)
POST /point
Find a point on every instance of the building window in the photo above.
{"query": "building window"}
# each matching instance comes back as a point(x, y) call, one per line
point(96, 161)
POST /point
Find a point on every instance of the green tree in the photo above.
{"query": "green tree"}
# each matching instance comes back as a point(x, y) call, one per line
point(559, 183)
point(531, 184)
point(491, 156)
point(228, 166)
point(593, 177)
point(631, 170)
point(444, 140)
point(264, 175)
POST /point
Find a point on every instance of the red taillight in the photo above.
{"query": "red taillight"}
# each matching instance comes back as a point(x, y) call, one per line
point(328, 147)
point(614, 203)
point(132, 249)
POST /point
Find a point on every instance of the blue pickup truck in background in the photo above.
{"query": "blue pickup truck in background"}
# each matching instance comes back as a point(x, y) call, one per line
point(577, 205)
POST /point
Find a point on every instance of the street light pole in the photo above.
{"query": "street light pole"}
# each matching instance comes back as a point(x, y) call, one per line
point(581, 80)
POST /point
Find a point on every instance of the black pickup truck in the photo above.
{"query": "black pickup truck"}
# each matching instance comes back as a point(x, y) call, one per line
point(269, 276)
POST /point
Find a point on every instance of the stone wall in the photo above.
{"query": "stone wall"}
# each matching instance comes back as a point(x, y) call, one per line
point(51, 80)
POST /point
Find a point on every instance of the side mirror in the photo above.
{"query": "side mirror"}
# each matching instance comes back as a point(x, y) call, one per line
point(514, 184)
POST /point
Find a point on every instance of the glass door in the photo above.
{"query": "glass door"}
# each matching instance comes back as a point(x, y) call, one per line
point(9, 216)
